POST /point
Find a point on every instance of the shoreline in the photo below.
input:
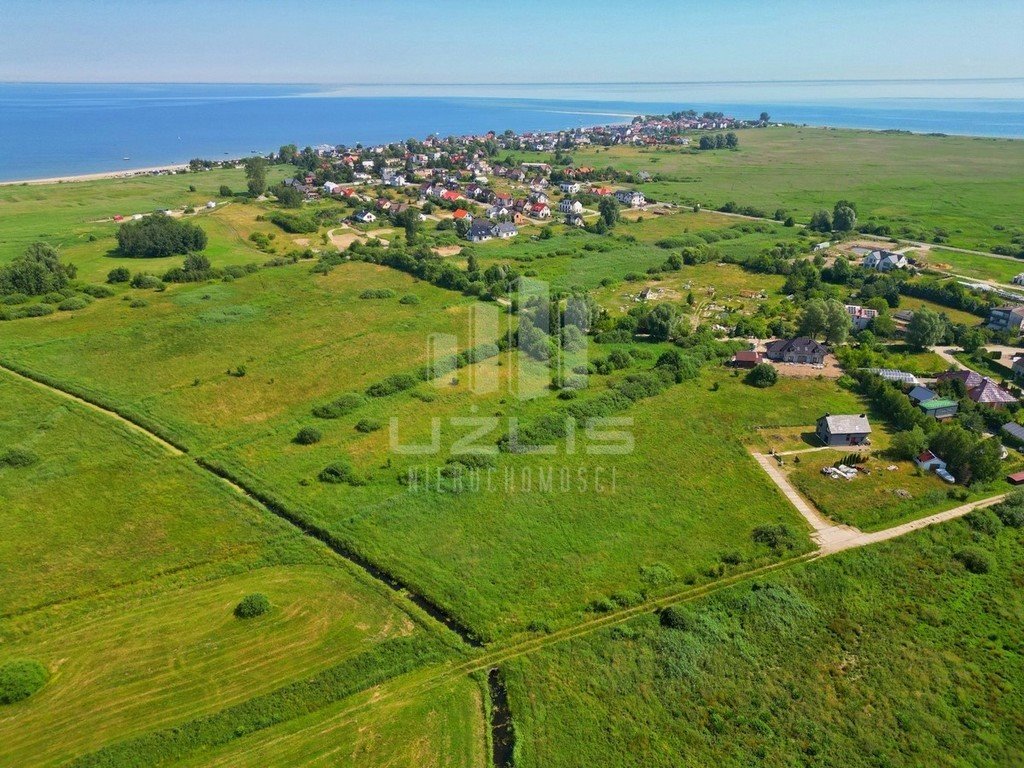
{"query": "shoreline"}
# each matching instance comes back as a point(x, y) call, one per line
point(127, 173)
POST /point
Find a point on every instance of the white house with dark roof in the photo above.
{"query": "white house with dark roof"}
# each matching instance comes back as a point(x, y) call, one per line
point(841, 430)
point(885, 261)
point(631, 198)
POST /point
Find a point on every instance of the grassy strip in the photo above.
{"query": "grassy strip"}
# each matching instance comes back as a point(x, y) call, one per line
point(388, 660)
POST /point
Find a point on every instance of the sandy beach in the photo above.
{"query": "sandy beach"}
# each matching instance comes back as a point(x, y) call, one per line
point(122, 174)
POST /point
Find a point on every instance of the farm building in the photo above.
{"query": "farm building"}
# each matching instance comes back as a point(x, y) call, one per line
point(843, 429)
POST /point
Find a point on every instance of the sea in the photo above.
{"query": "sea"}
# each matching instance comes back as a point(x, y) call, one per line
point(49, 129)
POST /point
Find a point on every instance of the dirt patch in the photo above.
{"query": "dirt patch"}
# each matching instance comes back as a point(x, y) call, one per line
point(829, 369)
point(448, 250)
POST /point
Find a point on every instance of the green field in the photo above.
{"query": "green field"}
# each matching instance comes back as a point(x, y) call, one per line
point(891, 655)
point(920, 183)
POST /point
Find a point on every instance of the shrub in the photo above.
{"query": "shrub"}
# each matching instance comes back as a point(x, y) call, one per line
point(341, 472)
point(293, 223)
point(252, 606)
point(392, 384)
point(74, 303)
point(774, 536)
point(676, 617)
point(368, 425)
point(225, 191)
point(308, 436)
point(141, 280)
point(98, 291)
point(762, 375)
point(238, 372)
point(137, 303)
point(159, 235)
point(38, 310)
point(973, 559)
point(409, 298)
point(377, 293)
point(17, 457)
point(344, 404)
point(984, 521)
point(119, 275)
point(20, 678)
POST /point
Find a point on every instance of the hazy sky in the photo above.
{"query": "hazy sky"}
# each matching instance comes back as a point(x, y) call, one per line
point(400, 41)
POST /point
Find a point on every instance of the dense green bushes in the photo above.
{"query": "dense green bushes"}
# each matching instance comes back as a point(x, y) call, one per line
point(397, 382)
point(20, 678)
point(252, 606)
point(36, 272)
point(340, 406)
point(159, 235)
point(308, 436)
point(18, 458)
point(377, 293)
point(294, 223)
point(340, 473)
point(368, 425)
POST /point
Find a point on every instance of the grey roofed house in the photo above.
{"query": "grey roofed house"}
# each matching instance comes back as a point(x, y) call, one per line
point(921, 395)
point(799, 350)
point(843, 429)
point(505, 229)
point(1014, 430)
point(481, 229)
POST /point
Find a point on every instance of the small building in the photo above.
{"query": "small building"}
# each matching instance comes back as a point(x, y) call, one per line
point(746, 358)
point(570, 206)
point(365, 217)
point(1015, 431)
point(1006, 318)
point(843, 430)
point(1018, 368)
point(929, 462)
point(860, 317)
point(920, 395)
point(574, 220)
point(1017, 478)
point(462, 213)
point(540, 211)
point(799, 350)
point(968, 378)
point(505, 230)
point(939, 408)
point(569, 187)
point(991, 394)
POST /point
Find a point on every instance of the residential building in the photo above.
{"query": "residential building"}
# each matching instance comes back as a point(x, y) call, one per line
point(569, 187)
point(929, 462)
point(505, 230)
point(480, 231)
point(1018, 368)
point(860, 317)
point(940, 408)
point(842, 430)
point(365, 217)
point(799, 350)
point(920, 395)
point(574, 220)
point(885, 261)
point(747, 358)
point(570, 206)
point(1006, 318)
point(631, 198)
point(991, 394)
point(540, 211)
point(461, 214)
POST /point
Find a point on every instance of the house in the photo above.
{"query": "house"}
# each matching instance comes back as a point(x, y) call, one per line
point(570, 206)
point(885, 261)
point(480, 231)
point(330, 188)
point(540, 197)
point(860, 317)
point(451, 195)
point(396, 180)
point(991, 394)
point(843, 429)
point(505, 230)
point(1015, 431)
point(365, 217)
point(799, 350)
point(746, 358)
point(461, 214)
point(497, 212)
point(602, 191)
point(1006, 318)
point(631, 198)
point(574, 220)
point(569, 187)
point(939, 408)
point(920, 395)
point(969, 379)
point(929, 462)
point(540, 211)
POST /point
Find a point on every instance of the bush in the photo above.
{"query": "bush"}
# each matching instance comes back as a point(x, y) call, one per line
point(676, 617)
point(252, 606)
point(973, 559)
point(137, 303)
point(141, 280)
point(762, 375)
point(377, 293)
point(341, 472)
point(98, 291)
point(775, 536)
point(20, 678)
point(74, 303)
point(368, 425)
point(159, 235)
point(347, 403)
point(984, 521)
point(119, 275)
point(37, 310)
point(392, 384)
point(17, 458)
point(293, 223)
point(409, 298)
point(225, 191)
point(308, 436)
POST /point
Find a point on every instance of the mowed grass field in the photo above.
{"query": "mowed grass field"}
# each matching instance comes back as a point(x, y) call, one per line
point(966, 186)
point(122, 565)
point(77, 217)
point(301, 338)
point(890, 655)
point(385, 726)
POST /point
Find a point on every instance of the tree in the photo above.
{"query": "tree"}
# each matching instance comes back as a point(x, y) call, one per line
point(609, 210)
point(159, 235)
point(814, 319)
point(732, 140)
point(844, 218)
point(762, 375)
point(837, 322)
point(764, 118)
point(925, 328)
point(660, 322)
point(706, 142)
point(287, 153)
point(821, 221)
point(225, 191)
point(287, 196)
point(36, 271)
point(986, 460)
point(256, 175)
point(908, 444)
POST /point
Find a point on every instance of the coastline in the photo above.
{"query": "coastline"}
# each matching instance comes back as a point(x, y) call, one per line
point(122, 174)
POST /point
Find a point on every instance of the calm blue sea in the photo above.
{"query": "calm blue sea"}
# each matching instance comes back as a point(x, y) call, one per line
point(60, 129)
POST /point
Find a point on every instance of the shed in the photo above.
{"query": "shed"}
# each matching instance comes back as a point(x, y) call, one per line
point(1014, 430)
point(1017, 478)
point(939, 408)
point(928, 461)
point(921, 394)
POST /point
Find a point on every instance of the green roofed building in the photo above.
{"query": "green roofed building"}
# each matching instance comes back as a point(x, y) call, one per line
point(940, 408)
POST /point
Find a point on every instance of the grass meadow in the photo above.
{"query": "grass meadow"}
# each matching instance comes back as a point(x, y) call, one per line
point(890, 655)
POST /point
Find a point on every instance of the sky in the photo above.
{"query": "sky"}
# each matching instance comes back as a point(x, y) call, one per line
point(401, 41)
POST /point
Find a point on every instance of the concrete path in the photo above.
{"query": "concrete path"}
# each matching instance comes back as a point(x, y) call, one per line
point(946, 354)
